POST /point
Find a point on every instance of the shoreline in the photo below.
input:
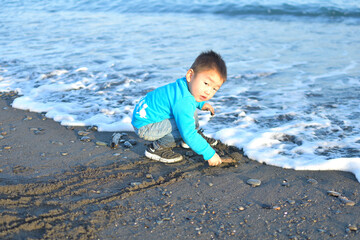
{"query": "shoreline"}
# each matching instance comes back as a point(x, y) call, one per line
point(53, 185)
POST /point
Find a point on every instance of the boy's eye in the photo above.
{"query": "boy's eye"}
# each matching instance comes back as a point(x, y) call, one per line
point(206, 83)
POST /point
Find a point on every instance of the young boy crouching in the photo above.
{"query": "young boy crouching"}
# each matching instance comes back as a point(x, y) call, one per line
point(167, 115)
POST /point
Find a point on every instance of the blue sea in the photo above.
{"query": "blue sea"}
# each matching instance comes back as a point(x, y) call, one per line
point(292, 98)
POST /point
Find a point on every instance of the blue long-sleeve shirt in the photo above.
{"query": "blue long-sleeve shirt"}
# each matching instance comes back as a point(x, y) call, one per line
point(173, 100)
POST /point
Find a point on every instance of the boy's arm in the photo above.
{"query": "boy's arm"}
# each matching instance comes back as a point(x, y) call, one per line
point(183, 113)
point(208, 107)
point(200, 105)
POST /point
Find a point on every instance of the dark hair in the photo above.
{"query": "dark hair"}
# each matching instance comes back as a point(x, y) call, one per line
point(210, 60)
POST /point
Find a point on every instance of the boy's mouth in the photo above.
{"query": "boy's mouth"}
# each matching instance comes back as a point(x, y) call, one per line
point(203, 98)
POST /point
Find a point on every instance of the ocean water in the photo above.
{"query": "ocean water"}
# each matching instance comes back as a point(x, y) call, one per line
point(292, 98)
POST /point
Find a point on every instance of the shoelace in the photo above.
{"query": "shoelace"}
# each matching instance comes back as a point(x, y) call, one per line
point(200, 131)
point(165, 152)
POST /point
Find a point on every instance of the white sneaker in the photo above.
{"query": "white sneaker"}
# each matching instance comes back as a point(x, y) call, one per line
point(165, 155)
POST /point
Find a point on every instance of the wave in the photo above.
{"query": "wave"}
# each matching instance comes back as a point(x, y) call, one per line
point(305, 10)
point(330, 9)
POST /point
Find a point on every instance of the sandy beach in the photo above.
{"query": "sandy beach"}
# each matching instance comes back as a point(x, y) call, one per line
point(61, 182)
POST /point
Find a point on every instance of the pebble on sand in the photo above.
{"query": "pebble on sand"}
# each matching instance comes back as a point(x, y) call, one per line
point(253, 182)
point(292, 202)
point(37, 131)
point(312, 181)
point(333, 193)
point(343, 199)
point(95, 191)
point(352, 227)
point(83, 133)
point(57, 143)
point(266, 206)
point(346, 201)
point(133, 184)
point(127, 144)
point(27, 118)
point(92, 128)
point(101, 143)
point(85, 139)
point(285, 183)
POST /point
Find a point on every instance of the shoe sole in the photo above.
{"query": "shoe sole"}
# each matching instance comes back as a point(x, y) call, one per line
point(160, 159)
point(184, 145)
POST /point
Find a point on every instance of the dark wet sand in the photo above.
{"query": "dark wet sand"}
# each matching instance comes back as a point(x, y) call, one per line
point(54, 186)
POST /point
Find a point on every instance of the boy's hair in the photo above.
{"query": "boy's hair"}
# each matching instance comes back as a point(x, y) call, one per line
point(210, 60)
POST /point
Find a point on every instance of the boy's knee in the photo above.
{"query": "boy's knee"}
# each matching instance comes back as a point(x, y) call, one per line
point(143, 133)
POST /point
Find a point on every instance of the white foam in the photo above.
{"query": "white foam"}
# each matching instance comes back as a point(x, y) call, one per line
point(82, 69)
point(123, 125)
point(27, 103)
point(54, 73)
point(259, 146)
point(342, 164)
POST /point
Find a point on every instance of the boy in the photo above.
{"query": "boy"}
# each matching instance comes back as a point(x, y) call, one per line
point(168, 114)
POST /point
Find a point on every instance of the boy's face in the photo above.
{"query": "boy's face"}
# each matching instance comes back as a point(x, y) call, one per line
point(204, 84)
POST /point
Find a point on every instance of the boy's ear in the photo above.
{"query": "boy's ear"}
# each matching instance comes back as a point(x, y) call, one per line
point(189, 75)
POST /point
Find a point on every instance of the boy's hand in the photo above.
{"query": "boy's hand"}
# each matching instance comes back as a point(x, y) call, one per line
point(208, 107)
point(215, 160)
